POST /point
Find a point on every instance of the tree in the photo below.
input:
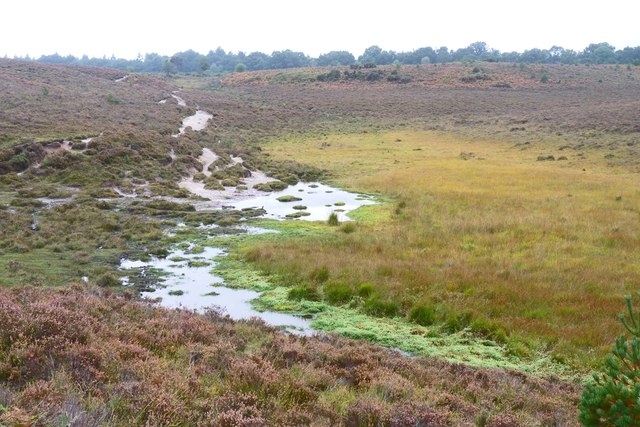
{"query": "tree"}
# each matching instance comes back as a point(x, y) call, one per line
point(629, 55)
point(423, 55)
point(479, 49)
point(288, 59)
point(154, 62)
point(612, 398)
point(188, 61)
point(599, 53)
point(335, 58)
point(555, 53)
point(535, 56)
point(370, 55)
point(257, 61)
point(443, 55)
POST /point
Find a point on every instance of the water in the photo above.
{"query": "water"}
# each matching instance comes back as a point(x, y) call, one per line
point(319, 201)
point(189, 284)
point(187, 281)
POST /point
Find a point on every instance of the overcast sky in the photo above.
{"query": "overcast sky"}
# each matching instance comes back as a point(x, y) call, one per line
point(126, 28)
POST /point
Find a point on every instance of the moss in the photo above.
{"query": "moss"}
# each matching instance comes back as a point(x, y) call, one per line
point(433, 341)
point(299, 214)
point(288, 198)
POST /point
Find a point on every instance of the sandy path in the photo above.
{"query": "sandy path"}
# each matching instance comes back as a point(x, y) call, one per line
point(207, 158)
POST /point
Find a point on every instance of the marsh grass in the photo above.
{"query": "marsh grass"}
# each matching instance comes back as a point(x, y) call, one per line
point(501, 244)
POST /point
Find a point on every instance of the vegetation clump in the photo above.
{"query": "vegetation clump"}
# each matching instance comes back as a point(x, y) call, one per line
point(288, 198)
point(333, 219)
point(271, 186)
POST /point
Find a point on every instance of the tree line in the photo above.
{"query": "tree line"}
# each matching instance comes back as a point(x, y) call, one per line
point(219, 61)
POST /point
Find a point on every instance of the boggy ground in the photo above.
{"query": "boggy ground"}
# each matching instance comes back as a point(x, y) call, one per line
point(512, 214)
point(515, 189)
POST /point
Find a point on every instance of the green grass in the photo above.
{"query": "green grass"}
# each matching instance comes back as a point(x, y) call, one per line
point(499, 244)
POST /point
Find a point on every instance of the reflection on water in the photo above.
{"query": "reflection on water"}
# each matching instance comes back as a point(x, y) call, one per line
point(316, 202)
point(189, 284)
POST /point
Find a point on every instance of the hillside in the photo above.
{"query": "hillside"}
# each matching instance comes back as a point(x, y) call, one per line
point(507, 221)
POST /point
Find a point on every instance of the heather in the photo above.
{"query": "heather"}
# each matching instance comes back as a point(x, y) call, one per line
point(87, 356)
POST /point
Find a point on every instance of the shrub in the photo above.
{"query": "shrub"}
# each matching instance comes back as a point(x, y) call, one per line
point(455, 322)
point(422, 314)
point(320, 275)
point(373, 76)
point(348, 227)
point(381, 308)
point(544, 78)
point(111, 99)
point(107, 280)
point(365, 290)
point(303, 292)
point(333, 219)
point(331, 76)
point(613, 396)
point(338, 292)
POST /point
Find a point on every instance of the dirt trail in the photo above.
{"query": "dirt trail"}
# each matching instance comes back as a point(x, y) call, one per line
point(216, 199)
point(207, 158)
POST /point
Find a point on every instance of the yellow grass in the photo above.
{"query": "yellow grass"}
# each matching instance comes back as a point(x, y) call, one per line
point(538, 254)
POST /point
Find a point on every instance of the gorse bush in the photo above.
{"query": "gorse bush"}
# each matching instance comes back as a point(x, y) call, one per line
point(612, 398)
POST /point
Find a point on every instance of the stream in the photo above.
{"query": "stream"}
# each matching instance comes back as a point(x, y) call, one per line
point(189, 284)
point(184, 278)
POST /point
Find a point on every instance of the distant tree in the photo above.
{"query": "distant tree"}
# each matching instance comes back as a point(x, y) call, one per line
point(57, 59)
point(417, 56)
point(169, 67)
point(154, 62)
point(370, 55)
point(510, 57)
point(599, 53)
point(443, 55)
point(240, 67)
point(188, 61)
point(479, 49)
point(288, 59)
point(629, 55)
point(375, 55)
point(535, 56)
point(335, 58)
point(204, 64)
point(555, 54)
point(216, 58)
point(257, 61)
point(569, 56)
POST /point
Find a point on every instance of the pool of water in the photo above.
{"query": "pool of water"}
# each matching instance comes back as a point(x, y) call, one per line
point(186, 282)
point(313, 202)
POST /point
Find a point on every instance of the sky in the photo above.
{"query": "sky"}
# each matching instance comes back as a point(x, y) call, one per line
point(128, 28)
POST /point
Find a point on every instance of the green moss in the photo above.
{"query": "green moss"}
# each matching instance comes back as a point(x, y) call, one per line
point(297, 214)
point(288, 198)
point(434, 341)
